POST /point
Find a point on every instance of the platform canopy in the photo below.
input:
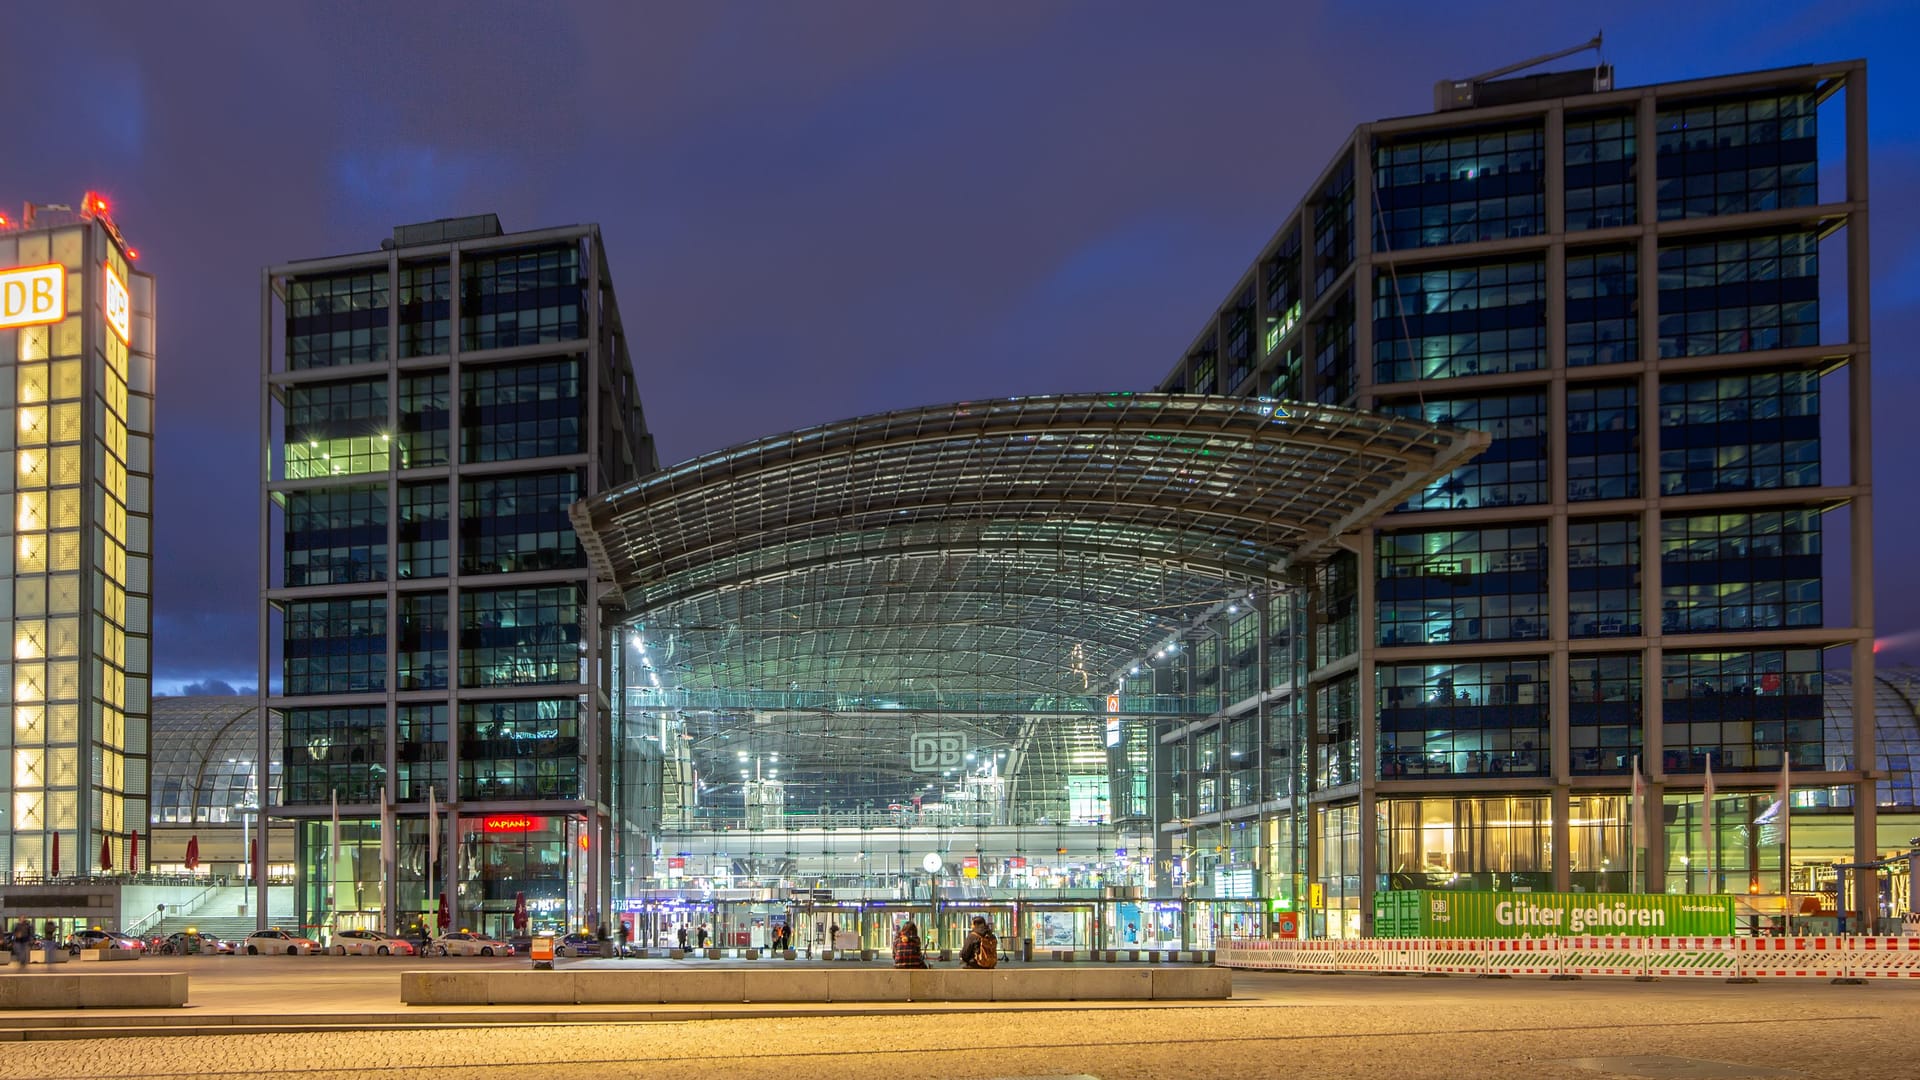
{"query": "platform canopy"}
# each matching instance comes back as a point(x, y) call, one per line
point(1014, 545)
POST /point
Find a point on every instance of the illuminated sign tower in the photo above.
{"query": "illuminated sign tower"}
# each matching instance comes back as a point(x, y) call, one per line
point(76, 451)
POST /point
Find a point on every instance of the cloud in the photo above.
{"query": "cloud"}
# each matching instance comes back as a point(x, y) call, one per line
point(214, 688)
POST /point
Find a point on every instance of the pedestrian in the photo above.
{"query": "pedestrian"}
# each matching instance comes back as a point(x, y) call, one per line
point(50, 941)
point(683, 936)
point(620, 938)
point(982, 948)
point(906, 947)
point(701, 937)
point(22, 942)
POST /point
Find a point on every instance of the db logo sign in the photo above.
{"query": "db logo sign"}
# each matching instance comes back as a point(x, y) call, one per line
point(938, 751)
point(1289, 926)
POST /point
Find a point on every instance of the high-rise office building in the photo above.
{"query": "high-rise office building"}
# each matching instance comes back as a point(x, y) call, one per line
point(76, 459)
point(1655, 299)
point(431, 632)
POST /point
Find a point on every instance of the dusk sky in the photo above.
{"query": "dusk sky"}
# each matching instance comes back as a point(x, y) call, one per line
point(813, 210)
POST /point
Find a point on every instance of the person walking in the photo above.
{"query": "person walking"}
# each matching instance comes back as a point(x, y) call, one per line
point(50, 941)
point(701, 936)
point(907, 952)
point(22, 942)
point(982, 948)
point(683, 936)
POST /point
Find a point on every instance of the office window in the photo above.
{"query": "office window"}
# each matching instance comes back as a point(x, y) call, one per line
point(335, 429)
point(520, 749)
point(335, 752)
point(1203, 362)
point(1743, 294)
point(1746, 708)
point(1236, 334)
point(1333, 226)
point(333, 321)
point(1600, 170)
point(520, 298)
point(420, 752)
point(1485, 718)
point(511, 411)
point(425, 306)
point(1286, 295)
point(421, 645)
point(1460, 188)
point(1511, 472)
point(335, 646)
point(1603, 441)
point(1604, 695)
point(423, 420)
point(1603, 304)
point(1745, 570)
point(1463, 585)
point(1336, 752)
point(512, 523)
point(1464, 320)
point(335, 536)
point(1333, 361)
point(1337, 590)
point(1740, 432)
point(1735, 157)
point(1603, 578)
point(423, 529)
point(513, 637)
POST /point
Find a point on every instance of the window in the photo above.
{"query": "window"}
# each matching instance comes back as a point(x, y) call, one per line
point(514, 637)
point(513, 523)
point(1487, 718)
point(1604, 696)
point(335, 321)
point(1734, 157)
point(1603, 302)
point(420, 752)
point(423, 420)
point(423, 530)
point(1600, 172)
point(1203, 363)
point(336, 536)
point(1740, 432)
point(1459, 189)
point(335, 751)
point(513, 411)
point(1603, 441)
point(425, 295)
point(1603, 578)
point(1236, 331)
point(421, 647)
point(1466, 585)
point(1749, 570)
point(1467, 320)
point(1333, 227)
point(520, 750)
point(1511, 472)
point(1285, 296)
point(1442, 842)
point(1742, 294)
point(520, 298)
point(335, 646)
point(1333, 357)
point(1337, 590)
point(1336, 752)
point(1745, 708)
point(336, 429)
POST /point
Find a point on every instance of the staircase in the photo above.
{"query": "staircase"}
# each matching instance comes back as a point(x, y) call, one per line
point(216, 915)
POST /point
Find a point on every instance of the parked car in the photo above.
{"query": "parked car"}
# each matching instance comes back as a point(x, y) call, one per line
point(191, 942)
point(370, 943)
point(468, 943)
point(577, 945)
point(97, 938)
point(276, 942)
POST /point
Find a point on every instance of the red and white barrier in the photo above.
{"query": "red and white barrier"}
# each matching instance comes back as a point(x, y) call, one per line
point(1659, 957)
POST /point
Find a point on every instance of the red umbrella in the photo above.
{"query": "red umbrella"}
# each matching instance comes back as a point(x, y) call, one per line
point(133, 852)
point(445, 918)
point(253, 845)
point(193, 852)
point(54, 871)
point(106, 853)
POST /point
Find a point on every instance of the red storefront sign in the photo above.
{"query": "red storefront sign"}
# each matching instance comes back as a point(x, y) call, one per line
point(512, 823)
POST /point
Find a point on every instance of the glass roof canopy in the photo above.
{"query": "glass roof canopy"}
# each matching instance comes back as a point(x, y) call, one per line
point(1013, 546)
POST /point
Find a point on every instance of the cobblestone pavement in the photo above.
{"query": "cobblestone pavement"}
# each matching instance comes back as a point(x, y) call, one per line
point(1294, 1026)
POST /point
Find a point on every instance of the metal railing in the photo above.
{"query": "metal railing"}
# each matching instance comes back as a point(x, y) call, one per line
point(188, 907)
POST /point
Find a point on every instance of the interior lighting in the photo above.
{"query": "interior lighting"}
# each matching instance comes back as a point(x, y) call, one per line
point(1233, 609)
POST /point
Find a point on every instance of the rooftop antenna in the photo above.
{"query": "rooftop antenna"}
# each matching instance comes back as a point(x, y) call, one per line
point(1466, 93)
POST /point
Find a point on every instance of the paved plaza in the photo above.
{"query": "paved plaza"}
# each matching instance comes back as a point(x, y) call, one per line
point(1277, 1025)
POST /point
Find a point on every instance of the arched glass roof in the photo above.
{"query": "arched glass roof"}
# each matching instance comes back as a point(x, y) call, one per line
point(204, 750)
point(998, 545)
point(1896, 739)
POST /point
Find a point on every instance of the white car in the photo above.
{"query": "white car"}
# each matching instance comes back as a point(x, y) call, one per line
point(468, 943)
point(370, 943)
point(278, 942)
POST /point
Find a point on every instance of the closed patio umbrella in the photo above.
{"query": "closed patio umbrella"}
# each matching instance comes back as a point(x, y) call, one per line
point(193, 852)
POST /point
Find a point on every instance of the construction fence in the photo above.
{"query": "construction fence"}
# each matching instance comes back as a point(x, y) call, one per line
point(1638, 957)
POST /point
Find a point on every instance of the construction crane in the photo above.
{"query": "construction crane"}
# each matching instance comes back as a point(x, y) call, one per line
point(1481, 89)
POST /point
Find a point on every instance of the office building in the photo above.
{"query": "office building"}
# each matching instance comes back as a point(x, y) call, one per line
point(432, 636)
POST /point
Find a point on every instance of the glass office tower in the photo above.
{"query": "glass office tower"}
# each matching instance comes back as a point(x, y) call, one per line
point(433, 634)
point(1655, 300)
point(76, 458)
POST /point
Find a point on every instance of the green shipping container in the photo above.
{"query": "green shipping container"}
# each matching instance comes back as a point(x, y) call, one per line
point(1431, 913)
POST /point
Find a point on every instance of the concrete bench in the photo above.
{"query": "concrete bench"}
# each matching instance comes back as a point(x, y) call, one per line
point(48, 990)
point(674, 986)
point(87, 955)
